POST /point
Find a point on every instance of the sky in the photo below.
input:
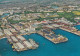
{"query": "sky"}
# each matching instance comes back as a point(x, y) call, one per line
point(27, 0)
point(36, 0)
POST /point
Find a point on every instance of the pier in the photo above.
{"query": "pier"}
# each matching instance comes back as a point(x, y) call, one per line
point(33, 43)
point(19, 43)
point(52, 37)
point(74, 32)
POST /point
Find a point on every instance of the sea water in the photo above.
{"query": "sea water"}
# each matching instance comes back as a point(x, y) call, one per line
point(46, 48)
point(77, 26)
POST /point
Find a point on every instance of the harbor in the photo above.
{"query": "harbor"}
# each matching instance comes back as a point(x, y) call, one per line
point(19, 43)
point(71, 31)
point(63, 49)
point(48, 34)
point(39, 28)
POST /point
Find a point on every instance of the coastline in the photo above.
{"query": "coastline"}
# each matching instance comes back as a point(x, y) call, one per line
point(49, 46)
point(2, 38)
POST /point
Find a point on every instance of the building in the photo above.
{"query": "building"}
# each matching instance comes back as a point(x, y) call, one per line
point(1, 34)
point(28, 44)
point(13, 30)
point(7, 32)
point(21, 38)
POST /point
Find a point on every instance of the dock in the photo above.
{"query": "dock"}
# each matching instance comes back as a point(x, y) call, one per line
point(76, 33)
point(53, 37)
point(33, 43)
point(19, 47)
point(19, 43)
point(21, 38)
point(14, 39)
point(28, 44)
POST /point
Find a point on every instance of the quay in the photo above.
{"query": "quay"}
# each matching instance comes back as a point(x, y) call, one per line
point(19, 47)
point(52, 37)
point(33, 43)
point(28, 44)
point(19, 43)
point(21, 38)
point(28, 33)
point(74, 32)
point(14, 39)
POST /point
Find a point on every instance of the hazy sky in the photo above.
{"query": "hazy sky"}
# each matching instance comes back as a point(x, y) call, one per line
point(27, 0)
point(37, 0)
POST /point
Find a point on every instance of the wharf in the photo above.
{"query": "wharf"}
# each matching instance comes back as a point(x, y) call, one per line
point(34, 44)
point(19, 43)
point(70, 31)
point(28, 33)
point(55, 39)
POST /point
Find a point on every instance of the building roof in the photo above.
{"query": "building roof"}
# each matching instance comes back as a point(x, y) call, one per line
point(20, 45)
point(6, 31)
point(1, 34)
point(12, 30)
point(49, 36)
point(21, 37)
point(46, 31)
point(14, 39)
point(53, 35)
point(28, 44)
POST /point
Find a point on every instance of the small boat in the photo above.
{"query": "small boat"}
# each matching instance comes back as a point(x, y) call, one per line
point(12, 46)
point(33, 43)
point(14, 49)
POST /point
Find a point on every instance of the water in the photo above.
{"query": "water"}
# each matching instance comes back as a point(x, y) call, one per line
point(46, 48)
point(4, 15)
point(55, 7)
point(77, 26)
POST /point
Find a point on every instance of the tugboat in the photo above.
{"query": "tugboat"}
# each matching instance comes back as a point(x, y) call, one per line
point(33, 43)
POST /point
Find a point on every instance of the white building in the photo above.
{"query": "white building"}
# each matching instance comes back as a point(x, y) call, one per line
point(7, 32)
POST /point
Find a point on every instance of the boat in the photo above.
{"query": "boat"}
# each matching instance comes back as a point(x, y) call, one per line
point(14, 49)
point(12, 46)
point(33, 43)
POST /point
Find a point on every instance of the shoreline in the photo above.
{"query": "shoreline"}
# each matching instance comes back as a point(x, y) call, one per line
point(2, 38)
point(70, 31)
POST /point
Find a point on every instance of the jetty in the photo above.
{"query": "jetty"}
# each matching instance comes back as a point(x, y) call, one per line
point(53, 37)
